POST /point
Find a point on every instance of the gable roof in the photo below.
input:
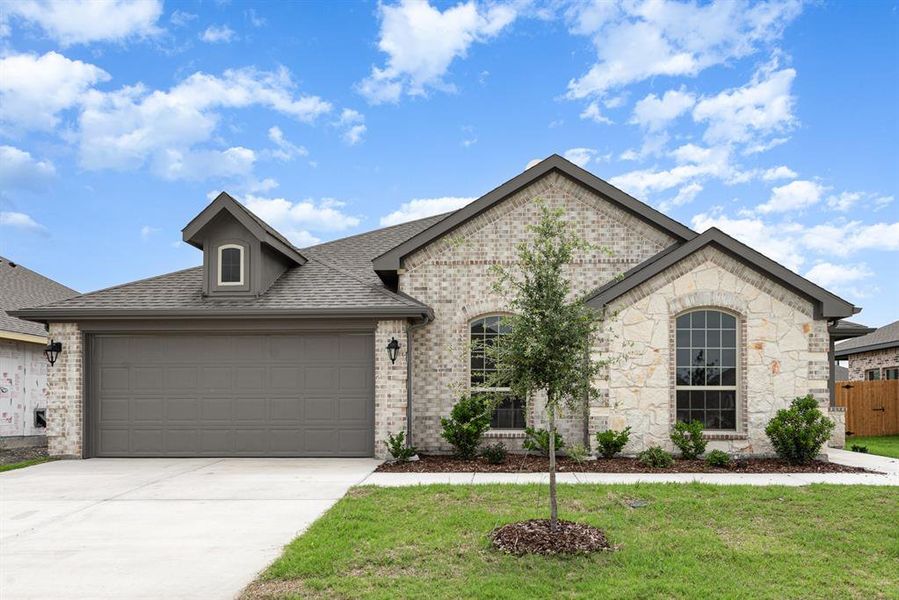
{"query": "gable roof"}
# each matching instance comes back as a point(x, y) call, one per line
point(389, 262)
point(20, 287)
point(879, 339)
point(331, 283)
point(259, 228)
point(827, 305)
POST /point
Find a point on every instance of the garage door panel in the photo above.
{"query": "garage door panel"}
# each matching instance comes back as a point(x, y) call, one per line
point(232, 395)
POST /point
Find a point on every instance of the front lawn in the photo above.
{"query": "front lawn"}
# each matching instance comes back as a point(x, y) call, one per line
point(688, 541)
point(884, 445)
point(24, 463)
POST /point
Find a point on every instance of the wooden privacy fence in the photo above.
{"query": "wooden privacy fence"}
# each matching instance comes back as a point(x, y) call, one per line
point(872, 407)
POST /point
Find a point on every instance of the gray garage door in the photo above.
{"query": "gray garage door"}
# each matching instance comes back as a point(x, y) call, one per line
point(231, 395)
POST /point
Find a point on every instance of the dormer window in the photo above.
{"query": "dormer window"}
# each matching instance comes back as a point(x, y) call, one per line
point(231, 265)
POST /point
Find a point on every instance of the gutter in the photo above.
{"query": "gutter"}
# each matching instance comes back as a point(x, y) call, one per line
point(425, 319)
point(44, 315)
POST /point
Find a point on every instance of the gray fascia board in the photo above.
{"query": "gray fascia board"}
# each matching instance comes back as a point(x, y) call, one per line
point(859, 349)
point(392, 259)
point(47, 315)
point(827, 304)
point(225, 202)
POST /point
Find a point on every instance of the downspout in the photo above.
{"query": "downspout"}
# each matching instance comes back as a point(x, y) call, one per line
point(410, 327)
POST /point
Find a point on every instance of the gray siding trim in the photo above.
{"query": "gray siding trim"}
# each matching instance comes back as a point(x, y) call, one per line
point(391, 260)
point(827, 305)
point(860, 349)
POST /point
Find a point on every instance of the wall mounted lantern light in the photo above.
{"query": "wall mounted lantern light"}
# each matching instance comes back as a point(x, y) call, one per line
point(393, 347)
point(52, 351)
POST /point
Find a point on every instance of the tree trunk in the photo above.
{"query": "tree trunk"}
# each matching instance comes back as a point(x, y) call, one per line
point(553, 504)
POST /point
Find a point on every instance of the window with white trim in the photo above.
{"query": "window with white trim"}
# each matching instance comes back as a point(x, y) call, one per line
point(231, 264)
point(706, 369)
point(510, 411)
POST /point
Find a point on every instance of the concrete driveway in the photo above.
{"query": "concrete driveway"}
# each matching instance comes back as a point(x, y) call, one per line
point(157, 528)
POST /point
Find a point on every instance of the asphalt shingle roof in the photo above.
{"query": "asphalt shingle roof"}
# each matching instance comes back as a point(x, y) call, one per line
point(338, 278)
point(21, 287)
point(884, 337)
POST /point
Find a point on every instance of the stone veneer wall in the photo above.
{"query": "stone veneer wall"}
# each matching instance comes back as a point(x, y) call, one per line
point(783, 351)
point(64, 382)
point(875, 359)
point(390, 384)
point(452, 275)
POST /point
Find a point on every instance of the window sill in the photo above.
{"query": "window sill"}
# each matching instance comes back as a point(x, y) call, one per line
point(505, 434)
point(724, 435)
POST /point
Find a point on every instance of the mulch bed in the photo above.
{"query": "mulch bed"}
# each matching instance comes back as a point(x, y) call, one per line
point(431, 463)
point(536, 537)
point(9, 456)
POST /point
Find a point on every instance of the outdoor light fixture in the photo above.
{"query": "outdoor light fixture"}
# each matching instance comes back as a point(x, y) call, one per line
point(52, 351)
point(393, 347)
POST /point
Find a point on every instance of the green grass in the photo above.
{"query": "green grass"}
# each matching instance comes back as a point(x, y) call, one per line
point(24, 463)
point(884, 445)
point(690, 541)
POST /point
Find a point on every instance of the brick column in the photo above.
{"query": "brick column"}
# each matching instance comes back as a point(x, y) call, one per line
point(390, 384)
point(65, 404)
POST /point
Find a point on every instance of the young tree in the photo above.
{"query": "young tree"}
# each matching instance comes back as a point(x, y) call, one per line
point(548, 346)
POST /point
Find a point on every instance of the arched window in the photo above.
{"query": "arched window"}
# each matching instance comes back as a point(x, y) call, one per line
point(510, 411)
point(231, 265)
point(706, 376)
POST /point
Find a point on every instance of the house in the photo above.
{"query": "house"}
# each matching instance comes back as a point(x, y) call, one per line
point(23, 367)
point(271, 350)
point(874, 355)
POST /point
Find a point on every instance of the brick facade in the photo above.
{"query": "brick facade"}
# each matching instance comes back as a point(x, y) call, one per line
point(390, 384)
point(875, 359)
point(65, 383)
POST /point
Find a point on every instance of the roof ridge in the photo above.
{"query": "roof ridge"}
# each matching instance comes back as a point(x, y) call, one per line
point(379, 229)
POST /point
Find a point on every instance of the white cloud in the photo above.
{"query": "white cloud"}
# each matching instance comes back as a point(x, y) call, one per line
point(146, 232)
point(286, 150)
point(654, 113)
point(847, 200)
point(296, 219)
point(180, 18)
point(218, 34)
point(353, 124)
point(694, 164)
point(126, 128)
point(84, 21)
point(762, 107)
point(851, 237)
point(35, 89)
point(593, 113)
point(420, 208)
point(828, 274)
point(635, 41)
point(20, 221)
point(173, 164)
point(795, 195)
point(533, 162)
point(254, 19)
point(19, 170)
point(685, 195)
point(580, 156)
point(771, 241)
point(776, 173)
point(421, 42)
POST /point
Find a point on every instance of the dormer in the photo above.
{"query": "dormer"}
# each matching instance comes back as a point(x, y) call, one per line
point(242, 255)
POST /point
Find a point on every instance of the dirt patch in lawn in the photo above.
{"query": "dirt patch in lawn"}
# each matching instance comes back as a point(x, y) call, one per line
point(431, 463)
point(536, 537)
point(10, 456)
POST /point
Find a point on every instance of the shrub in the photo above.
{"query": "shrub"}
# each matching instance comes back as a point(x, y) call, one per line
point(857, 448)
point(537, 440)
point(797, 433)
point(611, 442)
point(396, 445)
point(718, 458)
point(466, 425)
point(495, 454)
point(578, 453)
point(656, 458)
point(688, 439)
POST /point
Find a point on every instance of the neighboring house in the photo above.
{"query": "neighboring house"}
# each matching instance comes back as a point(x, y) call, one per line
point(23, 367)
point(872, 356)
point(841, 373)
point(270, 350)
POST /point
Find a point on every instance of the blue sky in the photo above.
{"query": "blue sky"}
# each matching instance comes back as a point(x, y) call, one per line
point(776, 122)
